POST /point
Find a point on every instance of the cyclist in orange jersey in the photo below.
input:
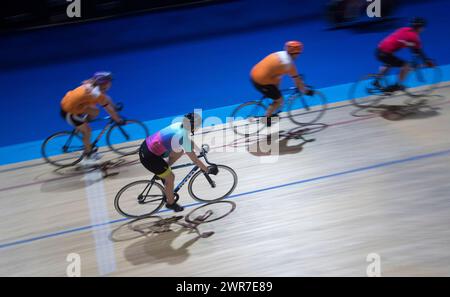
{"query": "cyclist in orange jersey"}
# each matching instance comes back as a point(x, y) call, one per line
point(266, 75)
point(79, 105)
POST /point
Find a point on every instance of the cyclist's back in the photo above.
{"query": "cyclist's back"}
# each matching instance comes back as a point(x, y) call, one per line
point(168, 139)
point(76, 100)
point(401, 38)
point(270, 69)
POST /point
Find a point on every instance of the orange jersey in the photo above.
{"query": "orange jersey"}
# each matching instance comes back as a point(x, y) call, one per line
point(77, 100)
point(270, 69)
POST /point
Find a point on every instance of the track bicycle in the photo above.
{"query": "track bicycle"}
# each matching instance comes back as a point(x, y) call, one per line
point(145, 197)
point(66, 148)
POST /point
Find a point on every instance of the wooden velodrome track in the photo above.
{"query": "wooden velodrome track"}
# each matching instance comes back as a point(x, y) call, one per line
point(366, 185)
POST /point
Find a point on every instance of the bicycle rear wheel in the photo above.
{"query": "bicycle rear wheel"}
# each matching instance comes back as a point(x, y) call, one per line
point(365, 93)
point(304, 110)
point(139, 199)
point(63, 149)
point(424, 80)
point(126, 139)
point(209, 188)
point(247, 118)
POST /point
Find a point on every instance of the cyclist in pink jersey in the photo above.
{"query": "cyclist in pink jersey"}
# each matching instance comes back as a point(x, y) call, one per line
point(172, 142)
point(401, 38)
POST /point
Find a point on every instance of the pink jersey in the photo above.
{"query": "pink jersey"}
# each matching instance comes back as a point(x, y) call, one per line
point(171, 138)
point(403, 37)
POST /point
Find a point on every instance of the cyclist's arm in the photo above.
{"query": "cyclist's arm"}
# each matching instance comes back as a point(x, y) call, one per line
point(420, 53)
point(107, 104)
point(298, 81)
point(196, 161)
point(195, 147)
point(415, 45)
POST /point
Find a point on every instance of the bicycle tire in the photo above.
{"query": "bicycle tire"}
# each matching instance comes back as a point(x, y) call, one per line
point(428, 86)
point(213, 177)
point(55, 159)
point(119, 203)
point(315, 113)
point(118, 146)
point(253, 119)
point(361, 96)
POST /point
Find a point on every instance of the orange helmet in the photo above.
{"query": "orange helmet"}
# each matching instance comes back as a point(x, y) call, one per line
point(293, 47)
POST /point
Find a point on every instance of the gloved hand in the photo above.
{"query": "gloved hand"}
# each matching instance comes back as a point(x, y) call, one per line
point(309, 93)
point(429, 63)
point(213, 170)
point(121, 122)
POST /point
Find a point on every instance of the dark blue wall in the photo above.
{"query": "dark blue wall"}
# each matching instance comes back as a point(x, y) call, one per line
point(171, 62)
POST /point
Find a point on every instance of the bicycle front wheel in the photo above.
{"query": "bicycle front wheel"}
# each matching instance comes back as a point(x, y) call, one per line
point(423, 81)
point(63, 149)
point(210, 188)
point(139, 199)
point(304, 110)
point(247, 118)
point(126, 139)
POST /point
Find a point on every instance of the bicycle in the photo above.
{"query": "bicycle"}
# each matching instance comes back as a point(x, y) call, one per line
point(246, 118)
point(373, 88)
point(145, 197)
point(66, 148)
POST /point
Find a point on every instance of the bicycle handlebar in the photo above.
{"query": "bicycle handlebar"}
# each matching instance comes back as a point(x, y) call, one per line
point(203, 153)
point(118, 106)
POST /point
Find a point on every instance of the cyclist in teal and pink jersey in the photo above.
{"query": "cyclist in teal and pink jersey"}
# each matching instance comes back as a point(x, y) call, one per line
point(172, 142)
point(401, 38)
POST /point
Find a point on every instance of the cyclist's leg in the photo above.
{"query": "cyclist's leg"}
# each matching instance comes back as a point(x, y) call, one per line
point(86, 130)
point(276, 104)
point(272, 92)
point(384, 59)
point(157, 165)
point(174, 156)
point(79, 122)
point(169, 184)
point(404, 70)
point(390, 60)
point(92, 111)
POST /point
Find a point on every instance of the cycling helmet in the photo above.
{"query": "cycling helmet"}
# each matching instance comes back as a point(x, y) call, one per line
point(293, 47)
point(192, 120)
point(417, 23)
point(102, 77)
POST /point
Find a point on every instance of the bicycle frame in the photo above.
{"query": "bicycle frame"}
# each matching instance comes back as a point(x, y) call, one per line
point(415, 69)
point(292, 96)
point(99, 136)
point(184, 180)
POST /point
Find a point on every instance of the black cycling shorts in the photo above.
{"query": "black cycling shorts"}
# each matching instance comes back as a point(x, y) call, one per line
point(389, 59)
point(154, 163)
point(269, 91)
point(74, 120)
